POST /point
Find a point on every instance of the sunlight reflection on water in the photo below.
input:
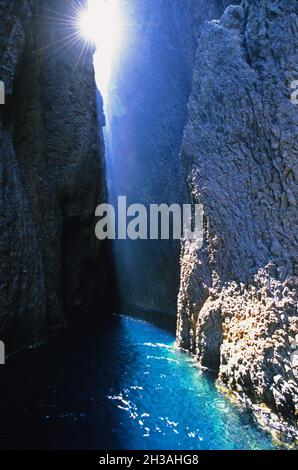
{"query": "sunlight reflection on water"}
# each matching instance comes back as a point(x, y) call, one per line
point(122, 386)
point(167, 403)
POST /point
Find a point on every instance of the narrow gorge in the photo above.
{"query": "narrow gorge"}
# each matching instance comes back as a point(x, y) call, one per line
point(173, 102)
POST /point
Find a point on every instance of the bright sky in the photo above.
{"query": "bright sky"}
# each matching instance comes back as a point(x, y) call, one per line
point(101, 23)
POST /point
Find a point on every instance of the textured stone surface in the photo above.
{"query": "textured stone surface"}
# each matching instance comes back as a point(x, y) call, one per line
point(51, 174)
point(238, 294)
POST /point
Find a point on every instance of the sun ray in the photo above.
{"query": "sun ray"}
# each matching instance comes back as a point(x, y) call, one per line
point(63, 39)
point(100, 24)
point(94, 24)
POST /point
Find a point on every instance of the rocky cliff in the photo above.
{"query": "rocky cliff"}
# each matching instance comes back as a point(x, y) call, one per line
point(51, 173)
point(238, 294)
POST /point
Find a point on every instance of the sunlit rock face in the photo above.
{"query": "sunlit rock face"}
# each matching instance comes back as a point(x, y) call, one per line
point(151, 85)
point(238, 295)
point(51, 174)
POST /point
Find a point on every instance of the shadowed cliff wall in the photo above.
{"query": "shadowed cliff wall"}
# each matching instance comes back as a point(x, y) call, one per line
point(51, 172)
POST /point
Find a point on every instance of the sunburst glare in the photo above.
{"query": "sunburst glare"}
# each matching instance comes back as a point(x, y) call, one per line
point(100, 23)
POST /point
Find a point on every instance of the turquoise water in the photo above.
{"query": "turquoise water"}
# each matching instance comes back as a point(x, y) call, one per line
point(165, 402)
point(121, 386)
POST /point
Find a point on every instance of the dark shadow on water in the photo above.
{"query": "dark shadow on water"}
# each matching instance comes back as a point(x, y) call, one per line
point(56, 397)
point(117, 385)
point(155, 317)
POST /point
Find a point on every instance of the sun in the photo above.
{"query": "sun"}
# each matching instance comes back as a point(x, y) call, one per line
point(88, 26)
point(100, 24)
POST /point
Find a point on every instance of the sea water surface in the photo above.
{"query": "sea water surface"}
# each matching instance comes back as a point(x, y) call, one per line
point(125, 386)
